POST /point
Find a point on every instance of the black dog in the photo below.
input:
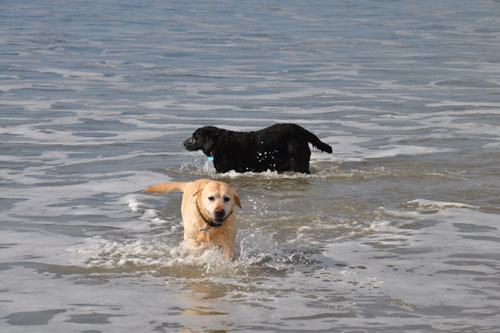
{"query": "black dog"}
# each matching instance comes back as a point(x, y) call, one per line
point(281, 147)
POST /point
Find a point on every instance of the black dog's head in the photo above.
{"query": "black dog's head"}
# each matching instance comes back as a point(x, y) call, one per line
point(203, 138)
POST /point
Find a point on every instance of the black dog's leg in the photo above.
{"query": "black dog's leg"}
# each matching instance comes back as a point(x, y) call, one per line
point(300, 155)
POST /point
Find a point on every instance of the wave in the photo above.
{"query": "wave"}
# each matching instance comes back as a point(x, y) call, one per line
point(327, 168)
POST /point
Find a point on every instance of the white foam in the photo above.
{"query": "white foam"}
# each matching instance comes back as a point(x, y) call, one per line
point(28, 133)
point(114, 183)
point(392, 151)
point(131, 201)
point(492, 145)
point(149, 254)
point(9, 77)
point(493, 106)
point(423, 203)
point(29, 105)
point(8, 87)
point(421, 208)
point(66, 73)
point(98, 252)
point(399, 254)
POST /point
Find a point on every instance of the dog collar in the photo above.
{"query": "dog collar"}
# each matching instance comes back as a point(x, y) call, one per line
point(210, 222)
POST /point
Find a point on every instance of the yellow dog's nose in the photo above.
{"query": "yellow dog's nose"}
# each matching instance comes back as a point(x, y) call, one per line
point(220, 214)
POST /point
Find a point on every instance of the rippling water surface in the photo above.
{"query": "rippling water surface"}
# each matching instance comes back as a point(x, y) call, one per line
point(397, 231)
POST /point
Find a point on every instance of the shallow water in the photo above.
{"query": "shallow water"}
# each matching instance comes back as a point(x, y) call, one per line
point(397, 231)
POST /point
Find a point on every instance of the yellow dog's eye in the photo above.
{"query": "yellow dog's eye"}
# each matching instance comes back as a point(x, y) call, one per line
point(226, 199)
point(211, 198)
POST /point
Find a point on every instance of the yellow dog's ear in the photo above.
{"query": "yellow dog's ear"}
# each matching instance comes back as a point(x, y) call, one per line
point(201, 184)
point(237, 199)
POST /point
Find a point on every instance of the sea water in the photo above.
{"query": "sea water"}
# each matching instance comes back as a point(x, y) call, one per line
point(397, 231)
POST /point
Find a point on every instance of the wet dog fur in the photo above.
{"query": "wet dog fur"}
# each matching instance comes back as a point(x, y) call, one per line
point(281, 147)
point(208, 211)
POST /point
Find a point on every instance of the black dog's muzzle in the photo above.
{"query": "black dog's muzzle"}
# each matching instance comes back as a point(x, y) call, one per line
point(190, 144)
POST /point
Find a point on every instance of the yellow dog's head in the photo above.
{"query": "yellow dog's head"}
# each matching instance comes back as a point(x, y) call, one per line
point(216, 201)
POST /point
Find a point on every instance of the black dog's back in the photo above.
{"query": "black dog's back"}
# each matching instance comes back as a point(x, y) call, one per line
point(280, 147)
point(299, 131)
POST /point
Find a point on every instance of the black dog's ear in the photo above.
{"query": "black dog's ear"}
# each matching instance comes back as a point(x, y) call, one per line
point(208, 137)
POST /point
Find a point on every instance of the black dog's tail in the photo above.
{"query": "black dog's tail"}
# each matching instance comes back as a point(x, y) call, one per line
point(316, 142)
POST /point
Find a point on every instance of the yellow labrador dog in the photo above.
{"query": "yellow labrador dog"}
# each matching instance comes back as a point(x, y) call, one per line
point(208, 212)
